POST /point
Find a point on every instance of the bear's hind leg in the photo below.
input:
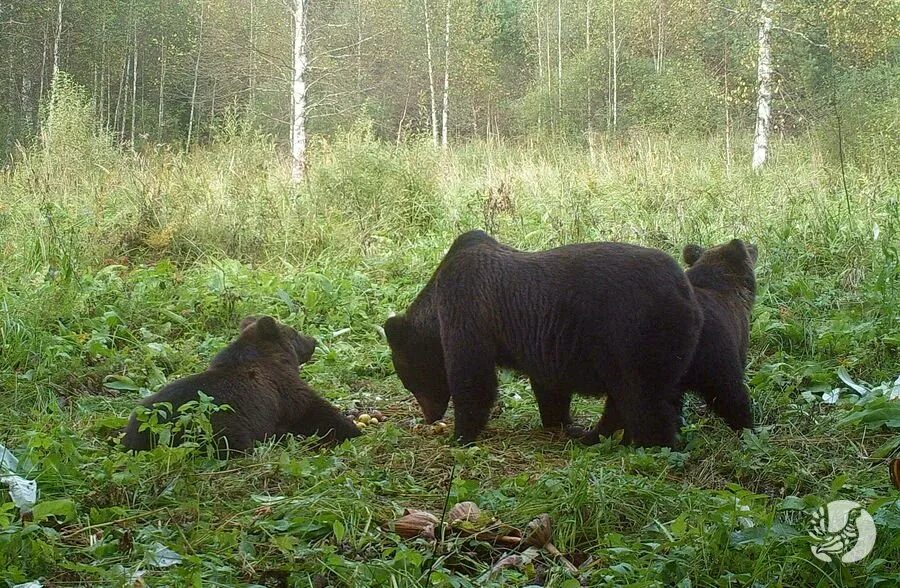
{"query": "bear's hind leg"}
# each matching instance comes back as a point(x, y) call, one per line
point(610, 422)
point(612, 419)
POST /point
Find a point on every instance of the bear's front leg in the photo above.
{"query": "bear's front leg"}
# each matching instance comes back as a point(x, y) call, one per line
point(320, 419)
point(472, 379)
point(730, 399)
point(650, 420)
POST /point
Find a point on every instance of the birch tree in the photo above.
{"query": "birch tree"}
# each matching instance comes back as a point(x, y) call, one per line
point(298, 95)
point(446, 106)
point(196, 75)
point(434, 124)
point(613, 83)
point(56, 39)
point(764, 90)
point(559, 59)
point(134, 75)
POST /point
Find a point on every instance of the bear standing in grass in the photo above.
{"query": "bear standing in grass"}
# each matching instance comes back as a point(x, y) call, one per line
point(595, 319)
point(724, 281)
point(256, 375)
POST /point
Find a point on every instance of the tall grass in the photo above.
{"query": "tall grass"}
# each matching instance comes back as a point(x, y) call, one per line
point(123, 270)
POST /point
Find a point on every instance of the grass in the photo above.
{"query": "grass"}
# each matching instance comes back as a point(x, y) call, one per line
point(122, 272)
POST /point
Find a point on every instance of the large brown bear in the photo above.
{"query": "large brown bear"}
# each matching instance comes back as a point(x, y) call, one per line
point(724, 282)
point(594, 319)
point(256, 375)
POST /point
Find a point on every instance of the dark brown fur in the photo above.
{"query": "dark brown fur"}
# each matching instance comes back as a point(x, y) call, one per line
point(594, 319)
point(256, 375)
point(724, 281)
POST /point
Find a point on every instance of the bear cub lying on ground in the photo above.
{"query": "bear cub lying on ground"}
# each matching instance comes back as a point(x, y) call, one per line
point(595, 319)
point(257, 376)
point(724, 282)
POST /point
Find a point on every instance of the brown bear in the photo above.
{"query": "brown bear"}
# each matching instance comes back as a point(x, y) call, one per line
point(724, 282)
point(595, 319)
point(256, 375)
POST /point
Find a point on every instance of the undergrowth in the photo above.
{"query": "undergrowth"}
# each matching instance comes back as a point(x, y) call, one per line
point(124, 271)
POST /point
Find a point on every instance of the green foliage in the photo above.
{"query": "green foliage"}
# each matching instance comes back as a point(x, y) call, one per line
point(188, 426)
point(179, 247)
point(683, 99)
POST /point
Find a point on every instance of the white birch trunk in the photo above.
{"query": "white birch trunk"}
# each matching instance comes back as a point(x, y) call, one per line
point(127, 86)
point(727, 119)
point(53, 74)
point(658, 33)
point(252, 90)
point(540, 56)
point(589, 81)
point(549, 72)
point(764, 91)
point(615, 70)
point(56, 39)
point(359, 43)
point(43, 67)
point(25, 96)
point(115, 122)
point(559, 59)
point(196, 75)
point(162, 89)
point(446, 106)
point(298, 95)
point(134, 67)
point(540, 50)
point(434, 124)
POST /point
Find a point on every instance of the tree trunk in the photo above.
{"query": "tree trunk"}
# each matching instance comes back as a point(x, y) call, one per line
point(615, 70)
point(359, 42)
point(119, 103)
point(658, 49)
point(298, 94)
point(134, 66)
point(196, 75)
point(162, 90)
point(56, 40)
point(540, 55)
point(43, 66)
point(53, 79)
point(252, 74)
point(212, 104)
point(549, 74)
point(559, 59)
point(25, 94)
point(727, 119)
point(589, 81)
point(434, 124)
point(126, 78)
point(446, 108)
point(764, 91)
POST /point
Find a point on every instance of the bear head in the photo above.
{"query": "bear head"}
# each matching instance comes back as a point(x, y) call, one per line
point(419, 362)
point(262, 337)
point(729, 266)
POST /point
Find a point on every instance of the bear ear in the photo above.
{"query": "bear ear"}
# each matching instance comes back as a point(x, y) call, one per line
point(737, 251)
point(304, 345)
point(753, 252)
point(396, 329)
point(267, 327)
point(692, 253)
point(247, 321)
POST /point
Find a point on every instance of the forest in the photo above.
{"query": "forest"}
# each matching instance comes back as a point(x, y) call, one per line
point(169, 167)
